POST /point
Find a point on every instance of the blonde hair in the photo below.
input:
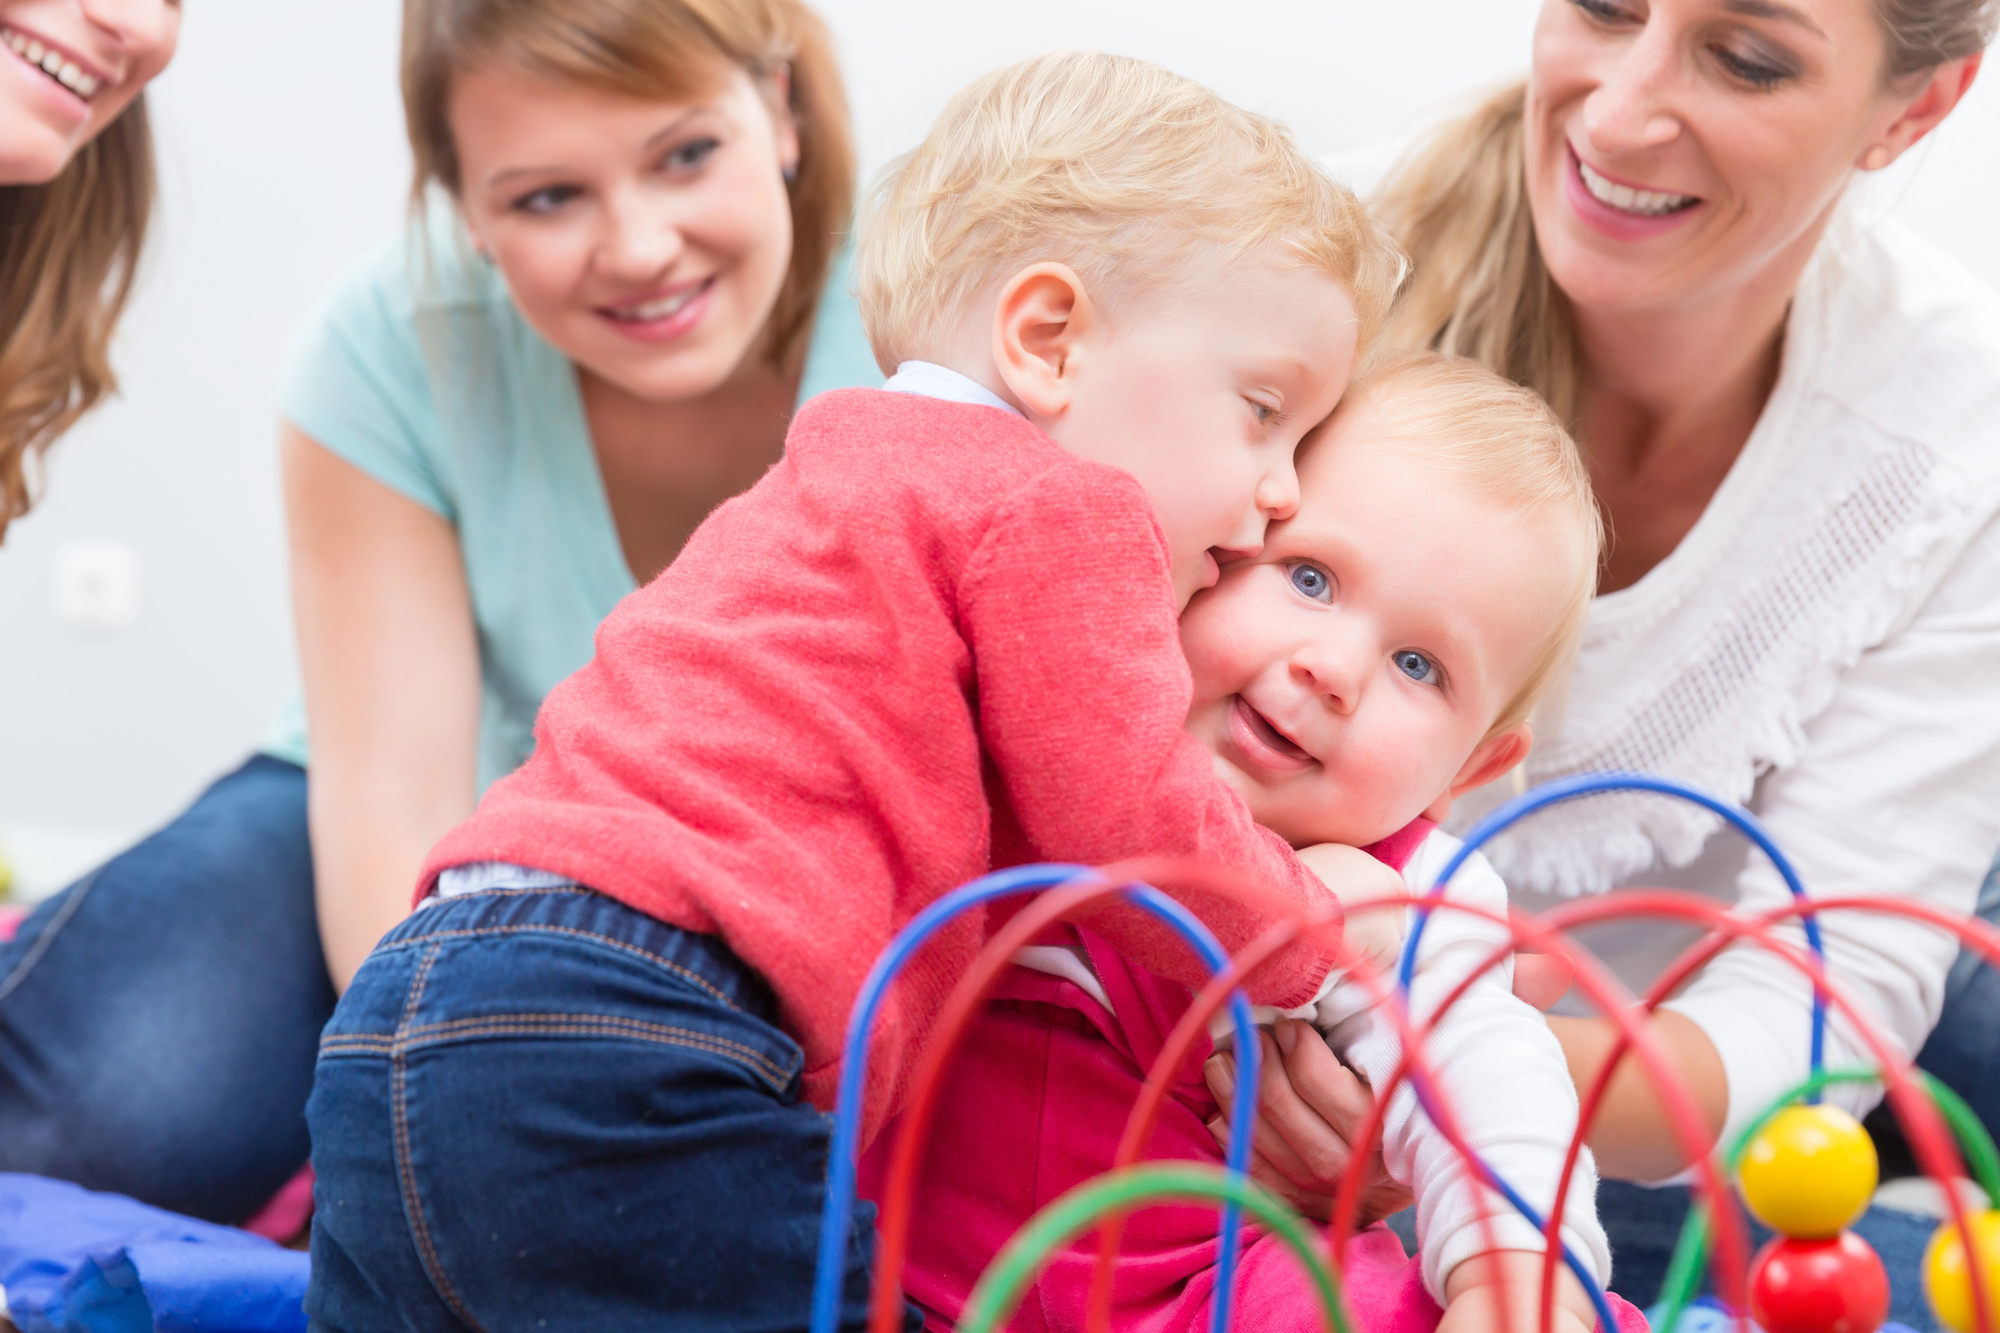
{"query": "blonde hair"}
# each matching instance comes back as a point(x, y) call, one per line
point(661, 49)
point(1460, 208)
point(1503, 441)
point(69, 250)
point(1111, 165)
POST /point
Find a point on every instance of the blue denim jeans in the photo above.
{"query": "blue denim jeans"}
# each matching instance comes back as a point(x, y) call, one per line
point(158, 1018)
point(1964, 1048)
point(539, 1108)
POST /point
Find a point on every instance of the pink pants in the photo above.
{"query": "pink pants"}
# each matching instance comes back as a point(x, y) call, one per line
point(1035, 1103)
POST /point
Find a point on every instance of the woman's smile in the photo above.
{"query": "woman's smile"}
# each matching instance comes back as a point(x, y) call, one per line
point(1621, 211)
point(61, 67)
point(663, 314)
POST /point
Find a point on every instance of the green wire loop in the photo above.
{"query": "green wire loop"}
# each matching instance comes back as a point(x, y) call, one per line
point(1006, 1279)
point(1691, 1254)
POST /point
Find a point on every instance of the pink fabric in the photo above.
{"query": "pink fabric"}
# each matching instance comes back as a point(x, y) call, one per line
point(11, 917)
point(926, 620)
point(286, 1215)
point(1034, 1105)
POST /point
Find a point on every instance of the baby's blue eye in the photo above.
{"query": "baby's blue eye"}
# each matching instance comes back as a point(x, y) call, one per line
point(1416, 666)
point(1263, 411)
point(1312, 581)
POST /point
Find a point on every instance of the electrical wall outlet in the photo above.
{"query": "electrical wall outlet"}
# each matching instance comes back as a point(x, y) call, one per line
point(97, 585)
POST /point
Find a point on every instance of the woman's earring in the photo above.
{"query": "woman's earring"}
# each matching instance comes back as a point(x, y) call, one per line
point(791, 171)
point(1876, 158)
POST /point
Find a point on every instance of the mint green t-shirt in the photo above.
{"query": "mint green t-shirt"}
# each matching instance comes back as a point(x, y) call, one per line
point(419, 371)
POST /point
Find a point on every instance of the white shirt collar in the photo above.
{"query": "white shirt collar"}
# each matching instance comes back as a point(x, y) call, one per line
point(927, 379)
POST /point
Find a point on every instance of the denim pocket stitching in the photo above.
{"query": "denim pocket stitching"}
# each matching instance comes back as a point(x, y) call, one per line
point(595, 1025)
point(686, 974)
point(356, 1044)
point(47, 937)
point(413, 1206)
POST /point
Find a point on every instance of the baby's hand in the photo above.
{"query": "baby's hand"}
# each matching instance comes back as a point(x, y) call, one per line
point(1501, 1292)
point(1355, 878)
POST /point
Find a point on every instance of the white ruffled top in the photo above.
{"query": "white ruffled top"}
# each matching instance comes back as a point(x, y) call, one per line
point(1824, 647)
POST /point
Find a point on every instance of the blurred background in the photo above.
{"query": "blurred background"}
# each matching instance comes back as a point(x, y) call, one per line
point(145, 638)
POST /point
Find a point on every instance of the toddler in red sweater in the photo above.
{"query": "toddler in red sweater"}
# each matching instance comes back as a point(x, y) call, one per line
point(1380, 655)
point(594, 1063)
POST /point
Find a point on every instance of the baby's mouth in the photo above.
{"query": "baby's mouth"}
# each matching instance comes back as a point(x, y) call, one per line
point(1255, 733)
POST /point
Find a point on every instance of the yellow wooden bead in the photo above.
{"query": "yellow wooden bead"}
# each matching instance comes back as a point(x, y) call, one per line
point(1809, 1172)
point(1946, 1281)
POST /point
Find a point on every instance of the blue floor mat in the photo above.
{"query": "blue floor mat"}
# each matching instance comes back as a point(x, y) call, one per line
point(71, 1259)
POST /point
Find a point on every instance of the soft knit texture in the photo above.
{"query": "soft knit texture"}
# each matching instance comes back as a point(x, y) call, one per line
point(927, 620)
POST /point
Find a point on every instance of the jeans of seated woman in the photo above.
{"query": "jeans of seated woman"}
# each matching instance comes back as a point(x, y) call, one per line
point(1964, 1048)
point(159, 1019)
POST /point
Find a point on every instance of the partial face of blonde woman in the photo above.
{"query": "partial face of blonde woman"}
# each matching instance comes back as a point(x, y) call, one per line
point(647, 241)
point(67, 69)
point(1677, 148)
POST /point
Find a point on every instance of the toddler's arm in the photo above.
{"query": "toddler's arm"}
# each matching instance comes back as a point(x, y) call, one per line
point(1504, 1079)
point(1068, 607)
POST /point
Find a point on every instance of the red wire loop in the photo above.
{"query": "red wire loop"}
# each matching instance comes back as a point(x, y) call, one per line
point(1931, 1141)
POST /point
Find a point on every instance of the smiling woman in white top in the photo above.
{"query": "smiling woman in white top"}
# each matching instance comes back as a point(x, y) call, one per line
point(1791, 412)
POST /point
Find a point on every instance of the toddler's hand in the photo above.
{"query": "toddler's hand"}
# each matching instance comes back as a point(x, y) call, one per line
point(1355, 878)
point(1501, 1292)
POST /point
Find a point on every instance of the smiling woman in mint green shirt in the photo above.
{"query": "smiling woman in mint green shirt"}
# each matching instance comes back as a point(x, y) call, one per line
point(396, 378)
point(497, 426)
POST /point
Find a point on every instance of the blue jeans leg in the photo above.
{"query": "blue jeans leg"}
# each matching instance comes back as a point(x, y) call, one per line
point(541, 1109)
point(1964, 1047)
point(159, 1018)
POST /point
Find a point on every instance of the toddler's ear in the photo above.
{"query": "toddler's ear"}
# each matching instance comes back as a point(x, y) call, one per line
point(1042, 317)
point(1495, 755)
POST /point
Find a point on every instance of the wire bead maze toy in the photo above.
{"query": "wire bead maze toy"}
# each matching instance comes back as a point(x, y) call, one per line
point(1806, 1169)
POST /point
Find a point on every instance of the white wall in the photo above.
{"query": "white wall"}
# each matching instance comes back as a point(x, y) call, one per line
point(283, 159)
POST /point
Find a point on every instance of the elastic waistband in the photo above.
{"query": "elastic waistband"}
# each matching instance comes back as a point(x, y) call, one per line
point(573, 909)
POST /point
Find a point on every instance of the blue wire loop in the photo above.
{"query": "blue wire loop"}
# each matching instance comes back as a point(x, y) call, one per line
point(1587, 784)
point(838, 1209)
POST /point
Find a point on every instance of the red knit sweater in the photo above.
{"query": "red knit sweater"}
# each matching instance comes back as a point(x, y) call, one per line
point(926, 620)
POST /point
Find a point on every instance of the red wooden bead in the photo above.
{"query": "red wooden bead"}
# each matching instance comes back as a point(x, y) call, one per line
point(1836, 1285)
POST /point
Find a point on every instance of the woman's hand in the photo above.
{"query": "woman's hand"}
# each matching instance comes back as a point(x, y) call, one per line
point(1309, 1106)
point(391, 672)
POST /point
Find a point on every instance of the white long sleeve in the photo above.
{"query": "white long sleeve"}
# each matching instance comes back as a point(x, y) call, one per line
point(1824, 647)
point(1501, 1073)
point(1896, 793)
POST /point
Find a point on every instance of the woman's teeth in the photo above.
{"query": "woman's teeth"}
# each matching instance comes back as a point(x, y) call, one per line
point(1645, 203)
point(52, 63)
point(660, 309)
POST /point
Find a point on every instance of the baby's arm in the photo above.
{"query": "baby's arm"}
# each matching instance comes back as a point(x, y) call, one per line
point(1082, 691)
point(1504, 1079)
